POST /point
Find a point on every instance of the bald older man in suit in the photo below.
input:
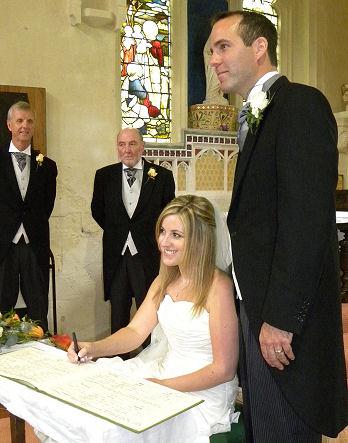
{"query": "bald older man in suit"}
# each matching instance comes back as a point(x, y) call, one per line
point(127, 200)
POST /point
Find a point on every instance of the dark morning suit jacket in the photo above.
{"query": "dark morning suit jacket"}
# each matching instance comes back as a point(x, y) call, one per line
point(33, 212)
point(109, 212)
point(284, 243)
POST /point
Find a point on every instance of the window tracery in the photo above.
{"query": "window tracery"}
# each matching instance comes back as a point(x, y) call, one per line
point(264, 7)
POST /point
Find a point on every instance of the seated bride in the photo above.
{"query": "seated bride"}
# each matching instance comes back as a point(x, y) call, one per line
point(192, 301)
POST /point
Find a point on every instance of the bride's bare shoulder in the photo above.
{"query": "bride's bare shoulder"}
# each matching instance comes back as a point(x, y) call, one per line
point(222, 288)
point(221, 280)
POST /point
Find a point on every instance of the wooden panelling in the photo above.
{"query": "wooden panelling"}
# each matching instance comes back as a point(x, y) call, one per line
point(37, 99)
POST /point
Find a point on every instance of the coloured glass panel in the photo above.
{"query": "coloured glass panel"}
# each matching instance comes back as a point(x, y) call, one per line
point(146, 69)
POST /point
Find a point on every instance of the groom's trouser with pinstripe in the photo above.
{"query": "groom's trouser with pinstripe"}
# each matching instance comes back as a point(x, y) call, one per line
point(268, 416)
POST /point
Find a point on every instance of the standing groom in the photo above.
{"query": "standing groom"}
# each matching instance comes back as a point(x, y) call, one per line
point(27, 194)
point(127, 200)
point(284, 241)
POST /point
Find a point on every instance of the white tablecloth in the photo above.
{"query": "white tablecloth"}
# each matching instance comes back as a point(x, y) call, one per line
point(67, 424)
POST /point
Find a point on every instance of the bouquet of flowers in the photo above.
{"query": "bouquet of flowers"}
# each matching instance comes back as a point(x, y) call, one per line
point(14, 330)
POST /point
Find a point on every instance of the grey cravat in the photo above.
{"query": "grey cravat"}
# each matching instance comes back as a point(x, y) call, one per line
point(243, 126)
point(130, 175)
point(21, 159)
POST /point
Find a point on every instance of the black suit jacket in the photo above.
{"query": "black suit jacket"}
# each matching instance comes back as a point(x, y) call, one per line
point(109, 212)
point(284, 242)
point(33, 212)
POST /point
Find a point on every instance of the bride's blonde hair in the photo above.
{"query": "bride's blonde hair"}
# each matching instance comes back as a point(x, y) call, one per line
point(198, 263)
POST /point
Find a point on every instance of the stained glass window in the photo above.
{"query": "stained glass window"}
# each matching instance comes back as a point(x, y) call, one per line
point(146, 69)
point(264, 7)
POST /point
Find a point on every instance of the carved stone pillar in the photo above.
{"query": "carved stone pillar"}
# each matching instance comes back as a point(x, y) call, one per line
point(342, 127)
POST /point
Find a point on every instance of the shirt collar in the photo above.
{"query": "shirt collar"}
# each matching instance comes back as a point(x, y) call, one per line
point(260, 82)
point(14, 149)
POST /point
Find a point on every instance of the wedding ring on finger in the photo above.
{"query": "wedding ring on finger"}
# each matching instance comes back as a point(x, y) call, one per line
point(278, 351)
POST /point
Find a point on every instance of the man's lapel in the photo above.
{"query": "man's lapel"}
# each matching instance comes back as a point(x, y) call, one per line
point(115, 189)
point(9, 171)
point(34, 171)
point(116, 184)
point(251, 138)
point(146, 188)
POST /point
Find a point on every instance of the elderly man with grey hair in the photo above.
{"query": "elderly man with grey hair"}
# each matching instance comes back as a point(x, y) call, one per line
point(27, 194)
point(127, 199)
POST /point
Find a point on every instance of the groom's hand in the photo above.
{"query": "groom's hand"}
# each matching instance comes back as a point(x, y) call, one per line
point(276, 346)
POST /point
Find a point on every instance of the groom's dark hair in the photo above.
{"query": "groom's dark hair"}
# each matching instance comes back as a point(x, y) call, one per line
point(252, 26)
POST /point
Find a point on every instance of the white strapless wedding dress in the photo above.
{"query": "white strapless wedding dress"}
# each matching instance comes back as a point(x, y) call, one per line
point(186, 347)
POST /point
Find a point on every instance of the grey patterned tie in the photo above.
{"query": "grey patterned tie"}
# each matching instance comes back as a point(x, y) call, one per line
point(243, 126)
point(130, 174)
point(21, 159)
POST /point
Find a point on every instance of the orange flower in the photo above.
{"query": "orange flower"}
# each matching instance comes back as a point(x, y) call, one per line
point(36, 332)
point(61, 341)
point(13, 319)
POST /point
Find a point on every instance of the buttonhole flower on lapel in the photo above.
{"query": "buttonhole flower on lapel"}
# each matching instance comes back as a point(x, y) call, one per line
point(151, 174)
point(39, 160)
point(258, 102)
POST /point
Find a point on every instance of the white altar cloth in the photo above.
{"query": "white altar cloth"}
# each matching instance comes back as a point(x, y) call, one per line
point(67, 424)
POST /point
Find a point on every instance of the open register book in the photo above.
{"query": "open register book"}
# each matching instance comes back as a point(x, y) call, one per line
point(130, 402)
